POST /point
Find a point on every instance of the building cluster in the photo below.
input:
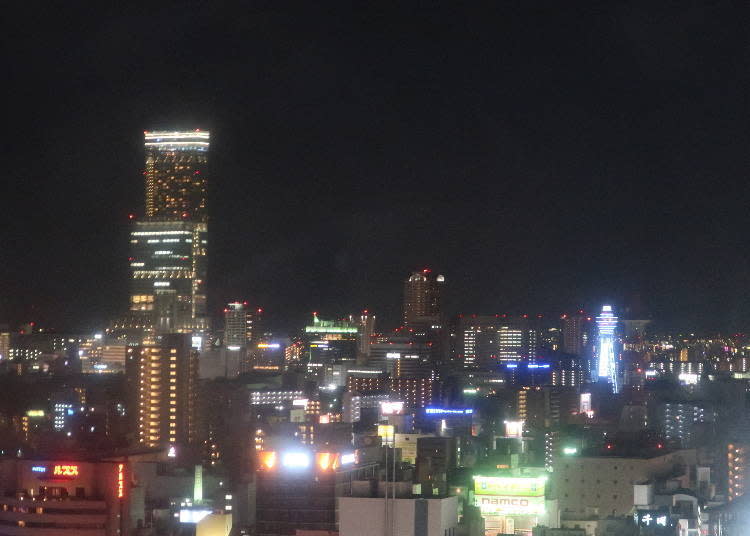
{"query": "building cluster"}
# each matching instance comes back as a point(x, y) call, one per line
point(172, 422)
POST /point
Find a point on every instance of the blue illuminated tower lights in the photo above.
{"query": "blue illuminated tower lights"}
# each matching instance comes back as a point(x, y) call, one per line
point(606, 322)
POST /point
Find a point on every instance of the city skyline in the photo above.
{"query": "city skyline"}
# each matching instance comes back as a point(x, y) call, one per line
point(368, 269)
point(334, 176)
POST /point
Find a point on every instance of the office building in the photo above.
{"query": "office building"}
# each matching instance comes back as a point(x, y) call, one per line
point(605, 483)
point(331, 341)
point(510, 344)
point(607, 363)
point(400, 355)
point(238, 325)
point(478, 340)
point(168, 276)
point(423, 298)
point(167, 391)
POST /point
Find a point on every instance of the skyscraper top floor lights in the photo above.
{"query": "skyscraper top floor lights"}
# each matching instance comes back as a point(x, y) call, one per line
point(198, 139)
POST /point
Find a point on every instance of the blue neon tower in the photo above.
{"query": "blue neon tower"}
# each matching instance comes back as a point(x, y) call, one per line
point(606, 322)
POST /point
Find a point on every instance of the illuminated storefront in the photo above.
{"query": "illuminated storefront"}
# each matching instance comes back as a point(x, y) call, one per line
point(511, 504)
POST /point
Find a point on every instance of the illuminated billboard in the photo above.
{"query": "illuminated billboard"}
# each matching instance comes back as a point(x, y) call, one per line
point(514, 428)
point(56, 471)
point(386, 431)
point(510, 485)
point(656, 521)
point(301, 460)
point(499, 495)
point(584, 405)
point(448, 411)
point(499, 505)
point(391, 408)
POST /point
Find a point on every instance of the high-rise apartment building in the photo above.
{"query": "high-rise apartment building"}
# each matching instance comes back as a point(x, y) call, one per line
point(422, 298)
point(175, 174)
point(366, 323)
point(574, 328)
point(167, 391)
point(168, 248)
point(684, 424)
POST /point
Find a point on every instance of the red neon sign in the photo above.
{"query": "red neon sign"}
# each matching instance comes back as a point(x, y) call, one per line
point(120, 480)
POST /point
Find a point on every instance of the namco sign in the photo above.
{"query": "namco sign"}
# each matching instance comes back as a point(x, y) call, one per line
point(510, 505)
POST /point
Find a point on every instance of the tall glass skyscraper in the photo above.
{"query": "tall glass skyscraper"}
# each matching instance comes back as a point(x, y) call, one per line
point(168, 247)
point(607, 365)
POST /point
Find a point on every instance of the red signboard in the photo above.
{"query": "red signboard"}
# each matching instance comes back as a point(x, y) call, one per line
point(120, 481)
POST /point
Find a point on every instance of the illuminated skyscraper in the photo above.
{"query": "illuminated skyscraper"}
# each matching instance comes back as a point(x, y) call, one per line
point(423, 298)
point(168, 271)
point(607, 322)
point(168, 248)
point(175, 174)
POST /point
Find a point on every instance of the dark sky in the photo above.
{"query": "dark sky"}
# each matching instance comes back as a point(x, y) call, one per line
point(542, 156)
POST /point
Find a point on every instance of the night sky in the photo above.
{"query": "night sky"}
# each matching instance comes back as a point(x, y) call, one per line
point(544, 157)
